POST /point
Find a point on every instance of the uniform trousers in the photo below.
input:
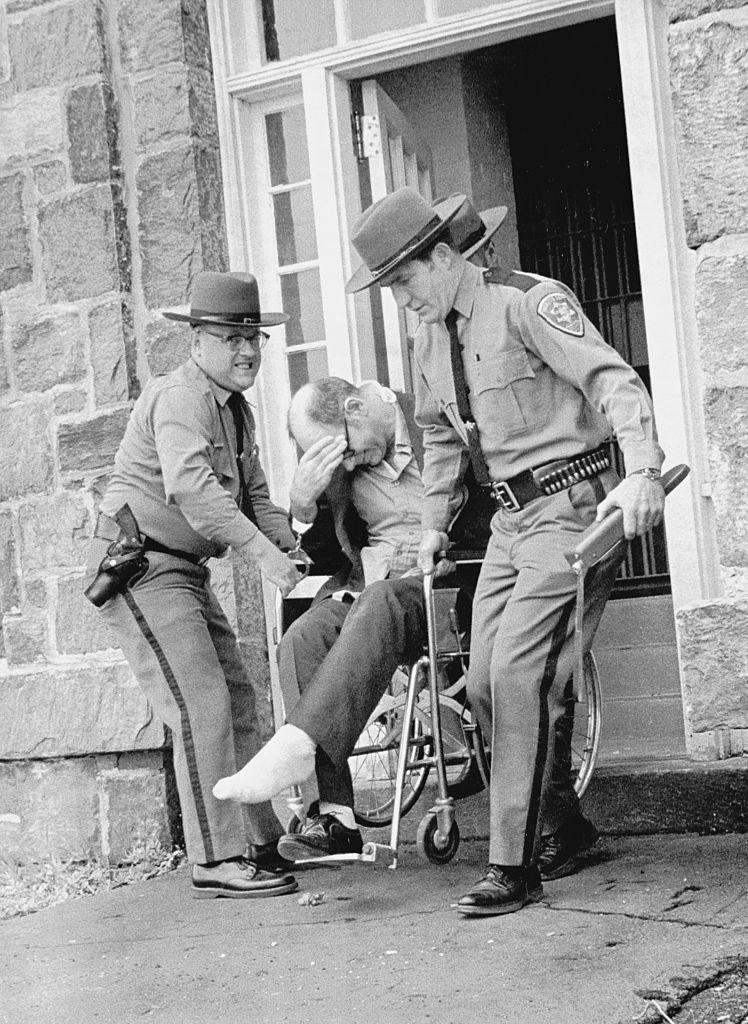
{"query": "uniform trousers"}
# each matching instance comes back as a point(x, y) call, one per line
point(522, 658)
point(186, 659)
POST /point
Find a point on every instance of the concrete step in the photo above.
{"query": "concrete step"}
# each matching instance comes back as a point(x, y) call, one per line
point(633, 797)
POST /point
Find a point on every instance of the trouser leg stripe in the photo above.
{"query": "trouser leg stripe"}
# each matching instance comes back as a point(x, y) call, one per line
point(549, 674)
point(186, 728)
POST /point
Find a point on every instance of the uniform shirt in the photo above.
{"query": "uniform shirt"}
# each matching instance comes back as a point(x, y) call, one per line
point(543, 384)
point(176, 469)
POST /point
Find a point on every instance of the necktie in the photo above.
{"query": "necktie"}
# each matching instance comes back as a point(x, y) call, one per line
point(463, 402)
point(236, 405)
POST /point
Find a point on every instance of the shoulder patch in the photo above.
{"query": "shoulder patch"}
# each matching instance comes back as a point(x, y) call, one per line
point(558, 311)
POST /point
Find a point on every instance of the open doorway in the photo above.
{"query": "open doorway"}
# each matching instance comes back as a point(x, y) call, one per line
point(537, 124)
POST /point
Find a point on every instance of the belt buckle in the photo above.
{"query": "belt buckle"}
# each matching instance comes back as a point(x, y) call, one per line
point(505, 496)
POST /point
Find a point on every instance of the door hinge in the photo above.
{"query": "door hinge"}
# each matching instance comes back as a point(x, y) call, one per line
point(367, 140)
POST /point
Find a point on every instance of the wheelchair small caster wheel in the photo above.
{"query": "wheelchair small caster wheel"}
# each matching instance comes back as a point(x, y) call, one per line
point(432, 847)
point(294, 825)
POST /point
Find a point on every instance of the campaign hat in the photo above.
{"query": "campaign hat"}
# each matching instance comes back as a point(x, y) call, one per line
point(229, 299)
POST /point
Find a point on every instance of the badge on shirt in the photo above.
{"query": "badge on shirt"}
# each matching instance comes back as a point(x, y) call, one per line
point(558, 311)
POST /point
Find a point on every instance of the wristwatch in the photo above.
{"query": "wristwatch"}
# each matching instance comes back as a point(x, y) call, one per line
point(649, 473)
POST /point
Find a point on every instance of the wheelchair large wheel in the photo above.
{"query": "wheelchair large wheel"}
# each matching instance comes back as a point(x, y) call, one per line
point(428, 844)
point(373, 764)
point(585, 735)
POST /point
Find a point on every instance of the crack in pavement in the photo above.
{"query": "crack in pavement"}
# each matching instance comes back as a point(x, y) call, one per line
point(643, 917)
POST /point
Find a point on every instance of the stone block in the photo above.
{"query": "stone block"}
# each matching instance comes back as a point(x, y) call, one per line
point(167, 344)
point(26, 637)
point(15, 249)
point(79, 628)
point(54, 533)
point(210, 199)
point(196, 34)
point(169, 226)
point(726, 414)
point(49, 808)
point(88, 132)
point(722, 309)
point(135, 819)
point(31, 124)
point(66, 402)
point(10, 596)
point(162, 106)
point(78, 245)
point(83, 447)
point(714, 663)
point(709, 90)
point(682, 10)
point(48, 352)
point(26, 465)
point(150, 34)
point(203, 115)
point(55, 46)
point(65, 711)
point(51, 177)
point(108, 354)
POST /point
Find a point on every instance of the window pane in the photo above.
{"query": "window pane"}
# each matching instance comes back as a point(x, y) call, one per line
point(306, 366)
point(448, 7)
point(302, 300)
point(291, 27)
point(369, 19)
point(287, 150)
point(294, 226)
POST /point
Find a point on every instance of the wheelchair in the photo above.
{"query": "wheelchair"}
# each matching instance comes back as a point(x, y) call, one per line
point(423, 721)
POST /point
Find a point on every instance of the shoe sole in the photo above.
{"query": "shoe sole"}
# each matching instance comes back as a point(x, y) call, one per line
point(295, 851)
point(507, 908)
point(204, 893)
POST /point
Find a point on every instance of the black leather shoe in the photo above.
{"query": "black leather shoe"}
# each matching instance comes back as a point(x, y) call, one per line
point(559, 851)
point(267, 858)
point(502, 892)
point(322, 836)
point(238, 879)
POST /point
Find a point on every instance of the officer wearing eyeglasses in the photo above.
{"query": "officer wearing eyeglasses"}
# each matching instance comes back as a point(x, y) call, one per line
point(187, 485)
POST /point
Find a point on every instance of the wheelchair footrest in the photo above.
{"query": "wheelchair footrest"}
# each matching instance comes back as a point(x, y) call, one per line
point(372, 853)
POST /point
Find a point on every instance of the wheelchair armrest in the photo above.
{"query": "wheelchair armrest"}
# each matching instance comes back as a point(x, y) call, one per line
point(600, 538)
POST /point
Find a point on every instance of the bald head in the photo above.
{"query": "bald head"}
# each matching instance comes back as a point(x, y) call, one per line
point(333, 407)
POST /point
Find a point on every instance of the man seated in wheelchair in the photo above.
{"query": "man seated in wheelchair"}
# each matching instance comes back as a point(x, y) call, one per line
point(357, 494)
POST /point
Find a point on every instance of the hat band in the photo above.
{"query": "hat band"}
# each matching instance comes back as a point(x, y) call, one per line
point(412, 243)
point(234, 318)
point(473, 238)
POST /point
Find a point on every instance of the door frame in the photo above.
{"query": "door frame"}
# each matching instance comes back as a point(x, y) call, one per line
point(667, 284)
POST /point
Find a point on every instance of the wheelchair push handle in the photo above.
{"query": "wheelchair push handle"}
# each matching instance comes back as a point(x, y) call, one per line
point(601, 537)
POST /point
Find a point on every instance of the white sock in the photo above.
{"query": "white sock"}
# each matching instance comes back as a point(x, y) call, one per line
point(340, 811)
point(286, 760)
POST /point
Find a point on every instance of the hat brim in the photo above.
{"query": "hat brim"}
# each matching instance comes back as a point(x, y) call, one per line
point(266, 320)
point(493, 219)
point(365, 278)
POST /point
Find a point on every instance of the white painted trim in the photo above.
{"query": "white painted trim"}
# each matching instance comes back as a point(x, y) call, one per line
point(329, 218)
point(429, 40)
point(668, 273)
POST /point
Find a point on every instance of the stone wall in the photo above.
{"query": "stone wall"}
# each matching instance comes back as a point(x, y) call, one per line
point(110, 201)
point(709, 80)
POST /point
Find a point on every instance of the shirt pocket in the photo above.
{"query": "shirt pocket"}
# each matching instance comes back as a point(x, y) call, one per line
point(222, 461)
point(508, 372)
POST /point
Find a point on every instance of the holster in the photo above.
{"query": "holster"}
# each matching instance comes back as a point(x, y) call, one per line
point(123, 560)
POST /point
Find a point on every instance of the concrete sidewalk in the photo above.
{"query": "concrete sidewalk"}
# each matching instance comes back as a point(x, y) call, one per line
point(650, 918)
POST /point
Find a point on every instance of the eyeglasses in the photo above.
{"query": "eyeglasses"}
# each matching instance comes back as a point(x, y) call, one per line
point(349, 452)
point(257, 339)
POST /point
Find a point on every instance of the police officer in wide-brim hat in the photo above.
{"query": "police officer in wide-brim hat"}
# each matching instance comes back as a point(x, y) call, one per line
point(514, 372)
point(187, 485)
